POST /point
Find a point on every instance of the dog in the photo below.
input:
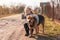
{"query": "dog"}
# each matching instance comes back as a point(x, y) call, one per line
point(33, 23)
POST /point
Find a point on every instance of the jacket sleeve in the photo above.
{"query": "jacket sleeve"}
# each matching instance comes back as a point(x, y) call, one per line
point(23, 16)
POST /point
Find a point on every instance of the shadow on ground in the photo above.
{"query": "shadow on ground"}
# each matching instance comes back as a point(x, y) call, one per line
point(46, 37)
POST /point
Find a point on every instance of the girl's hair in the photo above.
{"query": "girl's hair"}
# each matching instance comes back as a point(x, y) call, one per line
point(29, 9)
point(35, 11)
point(31, 12)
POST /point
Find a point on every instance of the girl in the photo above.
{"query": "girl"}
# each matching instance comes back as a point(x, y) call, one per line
point(27, 11)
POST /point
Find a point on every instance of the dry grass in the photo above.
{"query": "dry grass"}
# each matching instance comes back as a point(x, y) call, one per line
point(52, 30)
point(51, 27)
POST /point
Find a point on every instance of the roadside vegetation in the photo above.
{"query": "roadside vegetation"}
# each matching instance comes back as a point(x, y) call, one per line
point(52, 30)
point(6, 11)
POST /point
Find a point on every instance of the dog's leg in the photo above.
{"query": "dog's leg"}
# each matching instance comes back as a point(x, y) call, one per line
point(31, 32)
point(36, 28)
point(43, 27)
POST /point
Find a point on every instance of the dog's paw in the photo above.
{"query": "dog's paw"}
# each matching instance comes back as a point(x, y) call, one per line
point(31, 36)
point(36, 36)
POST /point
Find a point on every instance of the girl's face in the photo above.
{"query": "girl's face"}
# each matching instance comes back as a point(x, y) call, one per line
point(28, 11)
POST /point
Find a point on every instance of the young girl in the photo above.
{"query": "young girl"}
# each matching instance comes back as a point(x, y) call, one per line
point(27, 11)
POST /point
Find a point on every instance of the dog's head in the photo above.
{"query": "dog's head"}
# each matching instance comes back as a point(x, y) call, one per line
point(31, 20)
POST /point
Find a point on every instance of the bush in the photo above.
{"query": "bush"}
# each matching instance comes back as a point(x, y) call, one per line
point(21, 9)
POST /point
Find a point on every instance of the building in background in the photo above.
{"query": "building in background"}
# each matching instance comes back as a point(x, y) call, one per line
point(46, 8)
point(51, 11)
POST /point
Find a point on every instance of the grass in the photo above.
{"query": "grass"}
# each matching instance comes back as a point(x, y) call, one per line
point(51, 27)
point(52, 30)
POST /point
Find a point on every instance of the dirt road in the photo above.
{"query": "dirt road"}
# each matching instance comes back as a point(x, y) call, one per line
point(11, 28)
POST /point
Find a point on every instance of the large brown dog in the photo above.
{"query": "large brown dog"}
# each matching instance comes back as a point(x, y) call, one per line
point(33, 23)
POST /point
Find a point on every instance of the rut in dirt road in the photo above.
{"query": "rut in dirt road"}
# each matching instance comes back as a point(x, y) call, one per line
point(10, 27)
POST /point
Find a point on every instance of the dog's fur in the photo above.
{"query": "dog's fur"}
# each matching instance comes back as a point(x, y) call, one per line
point(32, 23)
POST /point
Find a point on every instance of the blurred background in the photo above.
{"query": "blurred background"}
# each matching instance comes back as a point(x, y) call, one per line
point(11, 24)
point(51, 8)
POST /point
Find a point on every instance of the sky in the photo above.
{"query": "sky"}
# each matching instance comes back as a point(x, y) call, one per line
point(32, 3)
point(27, 2)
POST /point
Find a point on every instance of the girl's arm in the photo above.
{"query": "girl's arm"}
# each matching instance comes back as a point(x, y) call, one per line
point(23, 16)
